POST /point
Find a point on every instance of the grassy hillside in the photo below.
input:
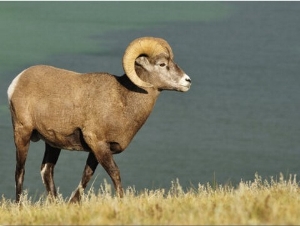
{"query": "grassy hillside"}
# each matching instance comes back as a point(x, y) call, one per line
point(274, 201)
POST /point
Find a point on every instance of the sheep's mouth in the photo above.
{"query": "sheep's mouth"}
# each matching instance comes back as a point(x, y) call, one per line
point(184, 88)
point(185, 83)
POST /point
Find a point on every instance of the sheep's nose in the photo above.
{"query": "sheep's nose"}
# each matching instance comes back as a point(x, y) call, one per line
point(188, 80)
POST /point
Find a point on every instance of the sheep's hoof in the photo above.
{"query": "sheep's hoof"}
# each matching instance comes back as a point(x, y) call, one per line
point(75, 197)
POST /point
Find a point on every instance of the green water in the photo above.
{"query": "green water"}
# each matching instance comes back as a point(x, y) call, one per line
point(33, 31)
point(240, 116)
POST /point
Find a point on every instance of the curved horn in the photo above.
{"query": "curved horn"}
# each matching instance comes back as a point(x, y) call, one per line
point(148, 46)
point(166, 45)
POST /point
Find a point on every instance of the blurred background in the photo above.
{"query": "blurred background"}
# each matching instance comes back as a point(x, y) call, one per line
point(241, 115)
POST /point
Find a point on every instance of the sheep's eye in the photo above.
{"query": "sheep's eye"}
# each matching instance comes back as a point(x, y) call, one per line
point(162, 64)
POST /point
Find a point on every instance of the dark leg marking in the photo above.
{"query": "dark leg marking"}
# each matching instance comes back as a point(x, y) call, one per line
point(90, 167)
point(47, 169)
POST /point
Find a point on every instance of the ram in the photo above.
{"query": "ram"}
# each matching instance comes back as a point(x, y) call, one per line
point(94, 112)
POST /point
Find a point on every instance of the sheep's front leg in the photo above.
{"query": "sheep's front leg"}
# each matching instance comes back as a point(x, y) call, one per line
point(102, 155)
point(90, 167)
point(108, 163)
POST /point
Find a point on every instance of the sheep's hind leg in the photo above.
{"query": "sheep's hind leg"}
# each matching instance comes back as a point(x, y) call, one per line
point(22, 141)
point(90, 167)
point(47, 169)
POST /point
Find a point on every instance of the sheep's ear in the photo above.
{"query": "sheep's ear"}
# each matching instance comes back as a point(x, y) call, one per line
point(142, 61)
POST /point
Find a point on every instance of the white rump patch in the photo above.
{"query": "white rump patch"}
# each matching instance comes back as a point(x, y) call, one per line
point(13, 85)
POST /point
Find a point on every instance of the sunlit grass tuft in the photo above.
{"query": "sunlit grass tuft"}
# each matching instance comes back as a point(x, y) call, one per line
point(273, 201)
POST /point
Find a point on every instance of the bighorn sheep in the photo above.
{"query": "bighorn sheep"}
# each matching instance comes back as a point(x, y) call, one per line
point(95, 112)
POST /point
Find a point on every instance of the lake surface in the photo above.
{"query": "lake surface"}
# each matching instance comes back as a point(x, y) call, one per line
point(240, 117)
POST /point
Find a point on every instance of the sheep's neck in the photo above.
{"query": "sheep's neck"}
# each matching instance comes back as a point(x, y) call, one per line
point(138, 103)
point(141, 104)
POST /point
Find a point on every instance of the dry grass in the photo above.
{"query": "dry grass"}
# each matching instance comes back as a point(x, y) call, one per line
point(253, 202)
